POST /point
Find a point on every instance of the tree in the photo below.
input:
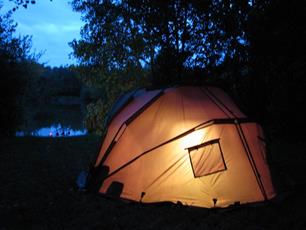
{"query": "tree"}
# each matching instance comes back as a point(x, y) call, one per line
point(23, 3)
point(169, 36)
point(14, 53)
point(169, 41)
point(277, 35)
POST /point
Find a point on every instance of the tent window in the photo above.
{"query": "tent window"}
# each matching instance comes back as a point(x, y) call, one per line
point(207, 158)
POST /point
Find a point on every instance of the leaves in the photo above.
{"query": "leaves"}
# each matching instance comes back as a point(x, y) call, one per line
point(23, 3)
point(163, 39)
point(198, 33)
point(14, 54)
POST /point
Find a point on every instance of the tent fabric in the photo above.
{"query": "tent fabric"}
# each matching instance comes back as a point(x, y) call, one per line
point(122, 101)
point(187, 144)
point(126, 113)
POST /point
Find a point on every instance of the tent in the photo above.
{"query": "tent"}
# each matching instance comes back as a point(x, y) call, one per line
point(189, 145)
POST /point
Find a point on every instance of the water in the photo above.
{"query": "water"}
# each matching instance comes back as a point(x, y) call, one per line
point(53, 131)
point(53, 120)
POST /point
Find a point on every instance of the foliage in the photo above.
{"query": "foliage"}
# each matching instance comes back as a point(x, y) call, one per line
point(253, 49)
point(163, 40)
point(112, 86)
point(23, 3)
point(278, 39)
point(168, 36)
point(14, 57)
point(94, 119)
point(49, 94)
point(270, 83)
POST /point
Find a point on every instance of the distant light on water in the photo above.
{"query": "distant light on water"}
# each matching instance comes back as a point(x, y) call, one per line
point(53, 131)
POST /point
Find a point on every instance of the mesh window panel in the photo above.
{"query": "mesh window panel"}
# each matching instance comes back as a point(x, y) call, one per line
point(207, 159)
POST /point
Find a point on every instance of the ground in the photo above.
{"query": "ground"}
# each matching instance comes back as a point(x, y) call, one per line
point(37, 191)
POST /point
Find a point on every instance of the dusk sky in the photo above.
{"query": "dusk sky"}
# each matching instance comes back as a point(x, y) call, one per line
point(52, 26)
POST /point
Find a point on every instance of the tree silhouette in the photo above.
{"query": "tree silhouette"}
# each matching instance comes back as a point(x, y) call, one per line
point(14, 53)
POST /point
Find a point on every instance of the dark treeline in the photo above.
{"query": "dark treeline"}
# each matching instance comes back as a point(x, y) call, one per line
point(278, 62)
point(252, 49)
point(129, 44)
point(51, 96)
point(15, 56)
point(27, 87)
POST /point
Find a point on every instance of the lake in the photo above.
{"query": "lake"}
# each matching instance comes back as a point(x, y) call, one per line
point(53, 121)
point(53, 131)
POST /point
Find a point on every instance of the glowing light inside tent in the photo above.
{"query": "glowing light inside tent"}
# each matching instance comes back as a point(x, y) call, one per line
point(192, 139)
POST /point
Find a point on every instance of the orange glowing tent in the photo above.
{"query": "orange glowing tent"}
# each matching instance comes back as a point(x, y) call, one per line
point(186, 144)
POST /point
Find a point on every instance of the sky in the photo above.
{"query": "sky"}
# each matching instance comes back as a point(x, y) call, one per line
point(52, 26)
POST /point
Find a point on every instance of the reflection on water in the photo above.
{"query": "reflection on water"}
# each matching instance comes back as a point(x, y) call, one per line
point(53, 120)
point(53, 131)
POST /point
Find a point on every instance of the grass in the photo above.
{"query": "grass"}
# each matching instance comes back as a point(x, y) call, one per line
point(37, 191)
